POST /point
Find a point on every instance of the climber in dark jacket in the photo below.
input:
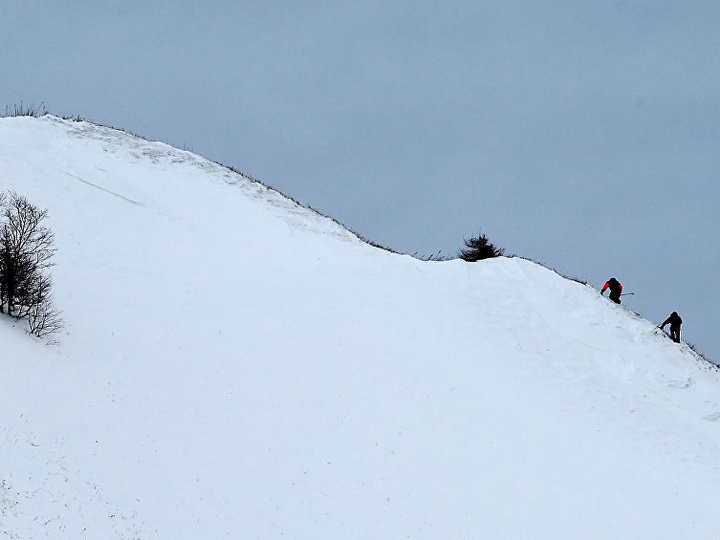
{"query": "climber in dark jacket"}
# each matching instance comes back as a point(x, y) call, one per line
point(615, 289)
point(674, 321)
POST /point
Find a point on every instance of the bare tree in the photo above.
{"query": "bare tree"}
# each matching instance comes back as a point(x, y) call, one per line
point(26, 249)
point(44, 319)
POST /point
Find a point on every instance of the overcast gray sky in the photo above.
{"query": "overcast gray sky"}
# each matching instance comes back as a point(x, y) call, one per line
point(585, 135)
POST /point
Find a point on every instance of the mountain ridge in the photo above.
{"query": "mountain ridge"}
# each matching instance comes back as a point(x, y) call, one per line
point(235, 365)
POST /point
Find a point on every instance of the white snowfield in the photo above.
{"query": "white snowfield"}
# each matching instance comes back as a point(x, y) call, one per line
point(236, 366)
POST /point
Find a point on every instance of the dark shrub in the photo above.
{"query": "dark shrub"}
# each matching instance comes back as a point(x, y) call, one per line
point(26, 249)
point(479, 248)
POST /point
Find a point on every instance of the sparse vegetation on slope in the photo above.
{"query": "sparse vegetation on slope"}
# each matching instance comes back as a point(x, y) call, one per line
point(26, 250)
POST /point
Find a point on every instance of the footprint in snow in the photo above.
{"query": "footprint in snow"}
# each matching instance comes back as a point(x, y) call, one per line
point(714, 417)
point(680, 384)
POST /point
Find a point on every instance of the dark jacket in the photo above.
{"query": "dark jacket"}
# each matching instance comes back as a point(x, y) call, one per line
point(674, 320)
point(614, 286)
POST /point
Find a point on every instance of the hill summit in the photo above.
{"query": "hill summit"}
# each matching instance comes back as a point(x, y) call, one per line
point(235, 365)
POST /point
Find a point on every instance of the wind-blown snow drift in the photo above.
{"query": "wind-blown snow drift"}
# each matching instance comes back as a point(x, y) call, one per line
point(237, 366)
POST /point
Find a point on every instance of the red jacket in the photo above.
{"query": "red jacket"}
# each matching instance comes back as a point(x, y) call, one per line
point(614, 285)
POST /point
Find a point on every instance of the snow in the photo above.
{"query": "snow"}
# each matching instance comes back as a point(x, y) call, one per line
point(237, 366)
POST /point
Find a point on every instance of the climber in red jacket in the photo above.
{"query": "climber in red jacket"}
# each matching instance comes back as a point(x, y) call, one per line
point(615, 289)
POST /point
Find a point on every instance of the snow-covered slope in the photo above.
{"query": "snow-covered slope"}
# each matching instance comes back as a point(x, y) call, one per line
point(236, 366)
